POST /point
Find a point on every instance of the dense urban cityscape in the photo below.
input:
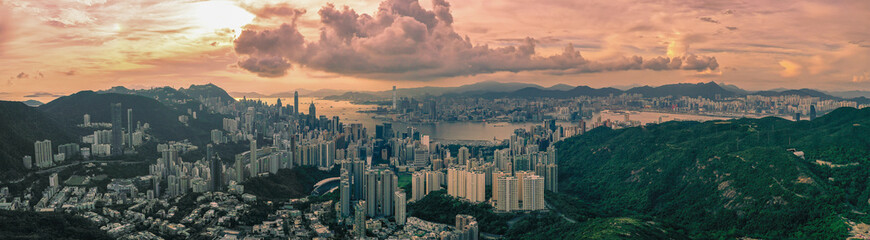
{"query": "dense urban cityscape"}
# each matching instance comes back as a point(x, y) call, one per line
point(434, 119)
point(205, 196)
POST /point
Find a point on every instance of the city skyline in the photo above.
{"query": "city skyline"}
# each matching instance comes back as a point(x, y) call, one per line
point(58, 48)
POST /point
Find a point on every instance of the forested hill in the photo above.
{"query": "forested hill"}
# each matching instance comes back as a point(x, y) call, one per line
point(20, 126)
point(163, 119)
point(727, 179)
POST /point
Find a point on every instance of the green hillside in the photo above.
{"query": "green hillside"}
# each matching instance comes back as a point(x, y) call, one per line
point(163, 119)
point(32, 225)
point(20, 127)
point(726, 179)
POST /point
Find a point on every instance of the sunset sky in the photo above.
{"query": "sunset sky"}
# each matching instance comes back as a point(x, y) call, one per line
point(64, 46)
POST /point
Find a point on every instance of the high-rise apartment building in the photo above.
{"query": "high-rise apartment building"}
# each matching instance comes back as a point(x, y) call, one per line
point(43, 153)
point(533, 190)
point(507, 194)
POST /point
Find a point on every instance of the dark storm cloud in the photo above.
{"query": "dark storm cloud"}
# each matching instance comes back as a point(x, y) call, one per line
point(41, 94)
point(404, 41)
point(709, 19)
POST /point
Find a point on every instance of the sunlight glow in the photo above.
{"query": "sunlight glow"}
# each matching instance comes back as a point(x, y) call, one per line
point(212, 16)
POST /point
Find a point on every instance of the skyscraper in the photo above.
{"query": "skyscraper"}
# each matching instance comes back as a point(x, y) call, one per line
point(117, 134)
point(240, 169)
point(401, 202)
point(418, 186)
point(552, 177)
point(359, 221)
point(533, 193)
point(130, 127)
point(507, 194)
point(312, 113)
point(255, 168)
point(812, 112)
point(280, 107)
point(296, 104)
point(395, 100)
point(214, 167)
point(345, 193)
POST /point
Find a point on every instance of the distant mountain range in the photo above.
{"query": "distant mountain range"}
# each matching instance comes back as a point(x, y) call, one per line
point(492, 89)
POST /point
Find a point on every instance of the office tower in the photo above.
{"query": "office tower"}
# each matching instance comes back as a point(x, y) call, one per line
point(296, 104)
point(215, 168)
point(418, 186)
point(394, 98)
point(462, 156)
point(87, 120)
point(533, 193)
point(388, 130)
point(400, 212)
point(421, 157)
point(812, 112)
point(28, 162)
point(797, 116)
point(552, 178)
point(117, 133)
point(345, 193)
point(507, 194)
point(255, 166)
point(43, 153)
point(280, 107)
point(359, 167)
point(130, 128)
point(312, 111)
point(359, 221)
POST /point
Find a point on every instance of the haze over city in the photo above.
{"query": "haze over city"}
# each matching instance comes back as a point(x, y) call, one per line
point(61, 47)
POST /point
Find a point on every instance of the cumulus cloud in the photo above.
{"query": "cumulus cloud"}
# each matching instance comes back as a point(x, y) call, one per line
point(402, 40)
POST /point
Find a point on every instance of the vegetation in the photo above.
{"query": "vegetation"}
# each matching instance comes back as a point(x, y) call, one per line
point(549, 226)
point(32, 225)
point(162, 118)
point(20, 127)
point(287, 183)
point(724, 179)
point(439, 207)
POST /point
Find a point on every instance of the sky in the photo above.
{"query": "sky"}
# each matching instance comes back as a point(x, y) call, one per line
point(59, 47)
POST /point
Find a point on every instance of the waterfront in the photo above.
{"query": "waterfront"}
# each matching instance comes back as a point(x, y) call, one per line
point(349, 112)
